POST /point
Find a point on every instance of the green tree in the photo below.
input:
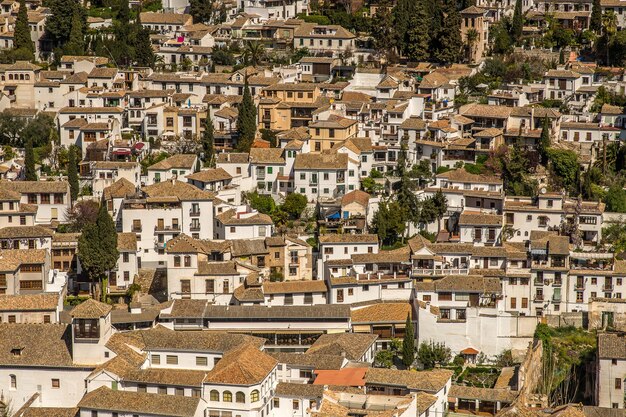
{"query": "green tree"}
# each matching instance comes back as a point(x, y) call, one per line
point(383, 32)
point(97, 248)
point(614, 235)
point(76, 43)
point(418, 39)
point(440, 205)
point(406, 186)
point(72, 174)
point(294, 205)
point(389, 222)
point(123, 51)
point(596, 17)
point(565, 169)
point(144, 54)
point(545, 141)
point(201, 11)
point(208, 142)
point(29, 162)
point(262, 203)
point(22, 43)
point(609, 29)
point(518, 21)
point(408, 343)
point(615, 198)
point(253, 53)
point(384, 359)
point(60, 21)
point(431, 354)
point(246, 120)
point(450, 43)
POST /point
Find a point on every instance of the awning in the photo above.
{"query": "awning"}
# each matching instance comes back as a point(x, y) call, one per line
point(139, 146)
point(121, 152)
point(538, 252)
point(590, 255)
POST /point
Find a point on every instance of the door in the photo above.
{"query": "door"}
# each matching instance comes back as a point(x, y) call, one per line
point(112, 279)
point(486, 263)
point(474, 300)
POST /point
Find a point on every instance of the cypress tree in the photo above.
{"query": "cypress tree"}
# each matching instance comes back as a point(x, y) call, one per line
point(144, 54)
point(123, 31)
point(402, 14)
point(518, 21)
point(22, 42)
point(544, 141)
point(76, 43)
point(29, 162)
point(596, 17)
point(59, 23)
point(418, 38)
point(97, 248)
point(72, 174)
point(408, 343)
point(450, 42)
point(208, 142)
point(246, 121)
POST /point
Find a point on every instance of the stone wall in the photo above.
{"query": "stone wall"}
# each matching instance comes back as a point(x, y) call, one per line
point(530, 376)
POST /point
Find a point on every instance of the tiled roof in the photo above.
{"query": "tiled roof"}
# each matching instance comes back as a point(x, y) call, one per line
point(483, 394)
point(230, 217)
point(210, 175)
point(470, 219)
point(321, 311)
point(107, 399)
point(103, 72)
point(461, 175)
point(248, 247)
point(217, 268)
point(127, 242)
point(611, 346)
point(356, 196)
point(164, 18)
point(273, 156)
point(382, 313)
point(294, 287)
point(162, 338)
point(122, 188)
point(49, 412)
point(429, 381)
point(174, 188)
point(24, 232)
point(473, 110)
point(286, 389)
point(245, 365)
point(232, 158)
point(186, 244)
point(175, 161)
point(312, 360)
point(36, 186)
point(348, 238)
point(29, 302)
point(353, 345)
point(11, 259)
point(467, 283)
point(90, 309)
point(38, 345)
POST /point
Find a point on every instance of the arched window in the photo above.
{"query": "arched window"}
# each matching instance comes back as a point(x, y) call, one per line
point(240, 397)
point(214, 395)
point(13, 381)
point(254, 396)
point(10, 76)
point(227, 397)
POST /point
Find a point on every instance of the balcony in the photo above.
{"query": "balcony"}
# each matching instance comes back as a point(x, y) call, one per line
point(579, 286)
point(194, 212)
point(194, 228)
point(136, 229)
point(447, 271)
point(538, 298)
point(607, 287)
point(556, 298)
point(538, 281)
point(557, 283)
point(167, 229)
point(159, 245)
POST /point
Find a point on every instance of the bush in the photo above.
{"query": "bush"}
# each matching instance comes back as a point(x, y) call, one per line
point(315, 18)
point(458, 360)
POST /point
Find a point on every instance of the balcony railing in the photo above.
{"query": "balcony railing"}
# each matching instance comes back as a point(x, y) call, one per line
point(447, 271)
point(607, 287)
point(538, 297)
point(136, 229)
point(172, 228)
point(194, 227)
point(557, 283)
point(159, 245)
point(194, 212)
point(579, 286)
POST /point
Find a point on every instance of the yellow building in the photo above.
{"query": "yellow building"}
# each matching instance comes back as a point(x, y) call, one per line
point(326, 133)
point(285, 106)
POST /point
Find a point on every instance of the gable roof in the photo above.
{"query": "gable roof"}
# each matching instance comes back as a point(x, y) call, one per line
point(175, 161)
point(90, 309)
point(352, 345)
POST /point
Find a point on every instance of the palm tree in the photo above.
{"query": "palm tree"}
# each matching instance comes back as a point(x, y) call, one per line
point(471, 37)
point(253, 53)
point(609, 28)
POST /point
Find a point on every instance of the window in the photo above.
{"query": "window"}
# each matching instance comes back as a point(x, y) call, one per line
point(350, 291)
point(445, 296)
point(296, 404)
point(460, 314)
point(13, 381)
point(179, 391)
point(240, 397)
point(513, 302)
point(340, 296)
point(276, 402)
point(187, 261)
point(172, 360)
point(214, 395)
point(254, 396)
point(524, 302)
point(618, 383)
point(227, 397)
point(210, 286)
point(201, 361)
point(185, 286)
point(142, 388)
point(56, 383)
point(156, 359)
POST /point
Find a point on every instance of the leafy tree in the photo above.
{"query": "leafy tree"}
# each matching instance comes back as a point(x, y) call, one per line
point(505, 359)
point(544, 141)
point(384, 358)
point(614, 235)
point(383, 30)
point(388, 222)
point(246, 121)
point(76, 43)
point(123, 51)
point(294, 205)
point(208, 142)
point(408, 343)
point(253, 53)
point(431, 354)
point(405, 187)
point(502, 41)
point(97, 248)
point(518, 21)
point(81, 214)
point(201, 10)
point(615, 198)
point(72, 174)
point(60, 22)
point(270, 136)
point(565, 169)
point(261, 203)
point(596, 17)
point(22, 43)
point(29, 162)
point(222, 56)
point(38, 130)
